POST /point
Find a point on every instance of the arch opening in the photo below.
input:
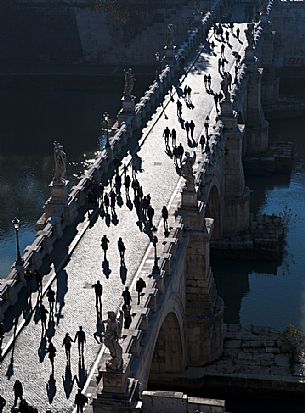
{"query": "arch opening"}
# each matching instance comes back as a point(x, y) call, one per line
point(213, 210)
point(167, 357)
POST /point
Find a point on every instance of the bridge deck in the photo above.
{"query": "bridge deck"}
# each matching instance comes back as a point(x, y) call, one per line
point(28, 361)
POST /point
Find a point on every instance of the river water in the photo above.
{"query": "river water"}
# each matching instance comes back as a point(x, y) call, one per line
point(270, 293)
point(30, 122)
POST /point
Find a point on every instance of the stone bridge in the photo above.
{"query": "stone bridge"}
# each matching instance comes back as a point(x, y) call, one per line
point(180, 321)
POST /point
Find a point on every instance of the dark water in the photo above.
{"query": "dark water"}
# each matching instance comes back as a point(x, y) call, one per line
point(30, 121)
point(269, 293)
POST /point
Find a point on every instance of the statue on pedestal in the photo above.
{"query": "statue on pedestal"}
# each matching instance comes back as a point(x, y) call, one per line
point(60, 164)
point(187, 170)
point(170, 36)
point(129, 83)
point(111, 340)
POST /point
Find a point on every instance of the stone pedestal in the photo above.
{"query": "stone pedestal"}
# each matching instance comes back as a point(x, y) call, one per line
point(128, 110)
point(169, 54)
point(117, 392)
point(58, 198)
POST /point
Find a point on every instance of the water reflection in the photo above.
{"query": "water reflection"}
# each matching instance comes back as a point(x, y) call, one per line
point(264, 293)
point(31, 120)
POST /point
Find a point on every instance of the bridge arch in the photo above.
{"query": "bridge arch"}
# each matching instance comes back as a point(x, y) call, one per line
point(167, 355)
point(213, 210)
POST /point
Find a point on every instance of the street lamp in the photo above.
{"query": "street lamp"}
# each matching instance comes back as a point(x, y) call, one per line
point(16, 223)
point(105, 120)
point(156, 269)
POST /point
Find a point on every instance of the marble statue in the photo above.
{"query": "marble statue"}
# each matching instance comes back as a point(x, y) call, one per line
point(111, 340)
point(170, 36)
point(129, 83)
point(187, 170)
point(60, 164)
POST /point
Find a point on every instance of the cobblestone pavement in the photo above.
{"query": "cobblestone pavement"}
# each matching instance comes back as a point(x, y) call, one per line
point(28, 360)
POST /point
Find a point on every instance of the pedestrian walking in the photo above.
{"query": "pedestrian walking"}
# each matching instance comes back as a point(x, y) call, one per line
point(127, 315)
point(126, 296)
point(192, 127)
point(216, 98)
point(165, 217)
point(80, 401)
point(127, 185)
point(140, 192)
point(122, 249)
point(112, 200)
point(187, 128)
point(98, 289)
point(219, 64)
point(206, 126)
point(28, 276)
point(166, 135)
point(231, 25)
point(104, 244)
point(67, 343)
point(140, 285)
point(150, 216)
point(229, 77)
point(222, 50)
point(205, 80)
point(81, 340)
point(2, 403)
point(51, 299)
point(180, 152)
point(185, 92)
point(118, 183)
point(202, 142)
point(175, 155)
point(209, 81)
point(38, 280)
point(145, 204)
point(1, 333)
point(52, 354)
point(174, 137)
point(212, 45)
point(43, 316)
point(189, 93)
point(179, 108)
point(106, 202)
point(227, 36)
point(135, 186)
point(18, 391)
point(237, 33)
point(133, 167)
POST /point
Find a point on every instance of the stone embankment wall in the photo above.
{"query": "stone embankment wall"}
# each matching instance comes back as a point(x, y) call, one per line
point(92, 35)
point(119, 143)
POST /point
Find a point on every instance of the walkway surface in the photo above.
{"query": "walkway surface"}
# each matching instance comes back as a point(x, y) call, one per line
point(75, 299)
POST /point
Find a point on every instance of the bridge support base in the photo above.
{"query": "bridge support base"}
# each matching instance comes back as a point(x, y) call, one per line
point(257, 138)
point(116, 391)
point(236, 213)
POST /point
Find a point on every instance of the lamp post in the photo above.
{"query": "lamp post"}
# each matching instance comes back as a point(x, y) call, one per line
point(16, 223)
point(158, 61)
point(156, 269)
point(105, 120)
